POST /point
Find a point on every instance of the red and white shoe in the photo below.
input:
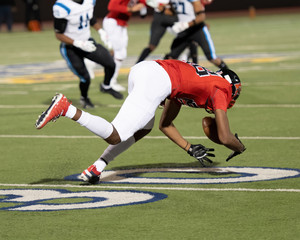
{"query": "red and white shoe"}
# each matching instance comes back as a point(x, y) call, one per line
point(57, 108)
point(90, 175)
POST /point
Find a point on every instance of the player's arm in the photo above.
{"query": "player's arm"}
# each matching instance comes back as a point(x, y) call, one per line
point(166, 125)
point(226, 137)
point(60, 25)
point(199, 10)
point(199, 18)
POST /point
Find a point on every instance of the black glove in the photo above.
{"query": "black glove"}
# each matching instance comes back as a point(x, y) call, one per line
point(200, 153)
point(233, 154)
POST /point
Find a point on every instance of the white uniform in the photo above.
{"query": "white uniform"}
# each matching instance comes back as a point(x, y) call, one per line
point(78, 16)
point(184, 10)
point(148, 85)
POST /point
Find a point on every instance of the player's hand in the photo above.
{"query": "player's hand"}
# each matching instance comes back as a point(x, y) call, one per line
point(180, 26)
point(233, 154)
point(87, 46)
point(201, 153)
point(104, 38)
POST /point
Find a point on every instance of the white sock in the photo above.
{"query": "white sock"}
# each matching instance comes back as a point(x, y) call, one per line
point(96, 125)
point(112, 151)
point(71, 111)
point(100, 165)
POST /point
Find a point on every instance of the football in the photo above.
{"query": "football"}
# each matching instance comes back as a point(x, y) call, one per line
point(210, 129)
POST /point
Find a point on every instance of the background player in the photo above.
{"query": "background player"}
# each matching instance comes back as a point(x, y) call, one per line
point(191, 28)
point(115, 25)
point(72, 20)
point(149, 84)
point(163, 17)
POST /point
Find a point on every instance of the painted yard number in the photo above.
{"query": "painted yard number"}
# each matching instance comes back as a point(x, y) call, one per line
point(36, 199)
point(54, 199)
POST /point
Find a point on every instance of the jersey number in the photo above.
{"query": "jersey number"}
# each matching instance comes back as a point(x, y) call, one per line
point(202, 71)
point(179, 7)
point(83, 22)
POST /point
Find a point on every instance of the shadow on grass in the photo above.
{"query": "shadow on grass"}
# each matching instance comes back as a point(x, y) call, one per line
point(141, 170)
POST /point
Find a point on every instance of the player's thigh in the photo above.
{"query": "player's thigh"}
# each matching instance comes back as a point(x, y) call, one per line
point(117, 35)
point(178, 46)
point(102, 57)
point(157, 33)
point(149, 85)
point(203, 38)
point(74, 59)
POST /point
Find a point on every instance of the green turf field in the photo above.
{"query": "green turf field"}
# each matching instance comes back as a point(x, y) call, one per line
point(154, 190)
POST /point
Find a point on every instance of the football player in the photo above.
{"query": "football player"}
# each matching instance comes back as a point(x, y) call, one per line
point(115, 25)
point(72, 21)
point(149, 84)
point(164, 16)
point(192, 28)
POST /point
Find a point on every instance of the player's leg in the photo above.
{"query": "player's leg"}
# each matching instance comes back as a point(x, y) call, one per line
point(118, 37)
point(103, 57)
point(205, 41)
point(74, 58)
point(179, 44)
point(148, 85)
point(194, 51)
point(111, 152)
point(157, 30)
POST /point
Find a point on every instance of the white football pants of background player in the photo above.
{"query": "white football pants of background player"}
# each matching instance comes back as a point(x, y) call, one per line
point(118, 37)
point(148, 85)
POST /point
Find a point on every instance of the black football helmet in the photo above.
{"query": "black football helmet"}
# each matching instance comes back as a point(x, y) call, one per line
point(235, 82)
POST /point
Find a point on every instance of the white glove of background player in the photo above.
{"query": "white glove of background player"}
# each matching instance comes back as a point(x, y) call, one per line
point(104, 38)
point(87, 46)
point(180, 26)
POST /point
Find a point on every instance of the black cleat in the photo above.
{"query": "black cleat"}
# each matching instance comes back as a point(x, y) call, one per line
point(86, 102)
point(111, 91)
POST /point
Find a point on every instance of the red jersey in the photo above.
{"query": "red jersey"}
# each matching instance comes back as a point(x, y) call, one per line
point(118, 10)
point(195, 86)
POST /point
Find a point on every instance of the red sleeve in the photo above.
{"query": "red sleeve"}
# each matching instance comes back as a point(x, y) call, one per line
point(118, 6)
point(219, 100)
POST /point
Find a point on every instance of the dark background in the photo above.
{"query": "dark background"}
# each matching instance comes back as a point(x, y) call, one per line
point(216, 6)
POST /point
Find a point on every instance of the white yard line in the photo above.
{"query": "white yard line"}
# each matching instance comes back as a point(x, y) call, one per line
point(154, 188)
point(119, 105)
point(147, 137)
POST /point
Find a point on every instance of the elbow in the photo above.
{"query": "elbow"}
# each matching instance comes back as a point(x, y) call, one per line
point(162, 127)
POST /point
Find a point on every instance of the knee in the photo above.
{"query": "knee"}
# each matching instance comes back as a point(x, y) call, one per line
point(114, 138)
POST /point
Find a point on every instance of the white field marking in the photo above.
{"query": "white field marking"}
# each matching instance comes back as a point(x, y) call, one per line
point(119, 105)
point(267, 105)
point(147, 137)
point(155, 188)
point(4, 92)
